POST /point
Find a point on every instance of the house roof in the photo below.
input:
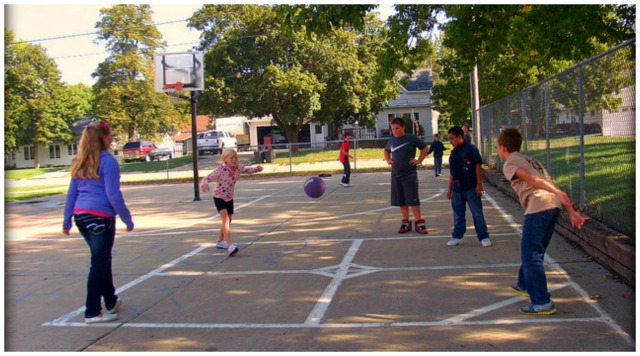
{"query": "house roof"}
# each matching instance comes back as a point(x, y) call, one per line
point(202, 124)
point(80, 124)
point(421, 79)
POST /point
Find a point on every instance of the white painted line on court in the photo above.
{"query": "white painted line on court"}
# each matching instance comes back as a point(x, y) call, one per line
point(317, 314)
point(606, 318)
point(522, 321)
point(137, 281)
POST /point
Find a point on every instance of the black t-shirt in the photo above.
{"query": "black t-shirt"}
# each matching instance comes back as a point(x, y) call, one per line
point(402, 150)
point(462, 165)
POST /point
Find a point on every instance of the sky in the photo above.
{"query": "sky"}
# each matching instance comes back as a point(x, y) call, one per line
point(77, 56)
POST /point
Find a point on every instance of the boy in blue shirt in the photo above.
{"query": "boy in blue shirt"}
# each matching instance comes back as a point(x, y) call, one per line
point(465, 187)
point(438, 151)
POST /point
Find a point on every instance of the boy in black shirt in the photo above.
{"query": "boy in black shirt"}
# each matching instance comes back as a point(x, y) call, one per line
point(400, 153)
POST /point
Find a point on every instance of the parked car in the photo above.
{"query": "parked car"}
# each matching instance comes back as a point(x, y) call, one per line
point(138, 150)
point(215, 141)
point(161, 152)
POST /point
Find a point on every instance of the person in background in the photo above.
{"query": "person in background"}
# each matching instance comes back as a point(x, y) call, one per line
point(438, 151)
point(467, 135)
point(344, 159)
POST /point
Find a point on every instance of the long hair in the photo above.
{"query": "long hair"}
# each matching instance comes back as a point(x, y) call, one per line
point(86, 164)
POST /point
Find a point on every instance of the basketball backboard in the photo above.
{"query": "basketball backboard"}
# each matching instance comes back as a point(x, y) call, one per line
point(186, 68)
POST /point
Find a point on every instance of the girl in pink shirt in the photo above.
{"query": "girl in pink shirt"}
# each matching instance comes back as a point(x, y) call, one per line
point(226, 176)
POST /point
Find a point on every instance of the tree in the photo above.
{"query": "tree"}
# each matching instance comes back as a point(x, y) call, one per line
point(514, 46)
point(38, 108)
point(256, 68)
point(124, 92)
point(83, 97)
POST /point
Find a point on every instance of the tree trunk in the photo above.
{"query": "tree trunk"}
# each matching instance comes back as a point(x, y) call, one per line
point(36, 156)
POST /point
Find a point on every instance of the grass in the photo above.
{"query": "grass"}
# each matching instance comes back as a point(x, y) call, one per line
point(154, 166)
point(30, 172)
point(315, 156)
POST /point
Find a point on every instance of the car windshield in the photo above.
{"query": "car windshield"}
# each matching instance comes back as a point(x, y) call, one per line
point(132, 145)
point(213, 134)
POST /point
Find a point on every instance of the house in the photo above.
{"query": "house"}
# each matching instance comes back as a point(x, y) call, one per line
point(182, 138)
point(57, 153)
point(413, 102)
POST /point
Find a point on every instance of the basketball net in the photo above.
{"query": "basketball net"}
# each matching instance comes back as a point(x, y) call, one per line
point(174, 96)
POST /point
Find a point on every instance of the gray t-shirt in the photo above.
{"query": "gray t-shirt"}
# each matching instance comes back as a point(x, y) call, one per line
point(402, 149)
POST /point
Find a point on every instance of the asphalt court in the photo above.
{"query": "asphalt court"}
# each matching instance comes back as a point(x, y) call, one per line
point(328, 274)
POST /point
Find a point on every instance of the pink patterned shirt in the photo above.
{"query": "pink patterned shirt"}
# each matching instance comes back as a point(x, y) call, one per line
point(226, 178)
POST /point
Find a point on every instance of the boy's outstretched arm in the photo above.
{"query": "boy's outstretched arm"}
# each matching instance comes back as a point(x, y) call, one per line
point(576, 219)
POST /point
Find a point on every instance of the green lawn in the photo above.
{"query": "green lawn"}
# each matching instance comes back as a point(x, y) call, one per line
point(609, 176)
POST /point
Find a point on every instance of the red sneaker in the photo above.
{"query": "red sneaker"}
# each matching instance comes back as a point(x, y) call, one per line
point(405, 226)
point(421, 228)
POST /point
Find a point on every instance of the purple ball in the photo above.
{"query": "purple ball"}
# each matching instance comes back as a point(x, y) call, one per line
point(314, 187)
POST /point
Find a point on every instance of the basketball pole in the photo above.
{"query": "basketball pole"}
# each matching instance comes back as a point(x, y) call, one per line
point(194, 144)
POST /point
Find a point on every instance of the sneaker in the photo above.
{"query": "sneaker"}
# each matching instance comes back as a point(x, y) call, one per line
point(486, 242)
point(519, 290)
point(222, 245)
point(115, 307)
point(102, 318)
point(421, 228)
point(232, 250)
point(405, 227)
point(543, 309)
point(346, 185)
point(454, 242)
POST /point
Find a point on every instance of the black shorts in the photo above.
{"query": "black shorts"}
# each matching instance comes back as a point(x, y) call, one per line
point(404, 190)
point(221, 205)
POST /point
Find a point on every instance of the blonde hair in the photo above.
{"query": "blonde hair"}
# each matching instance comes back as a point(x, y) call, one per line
point(228, 152)
point(86, 164)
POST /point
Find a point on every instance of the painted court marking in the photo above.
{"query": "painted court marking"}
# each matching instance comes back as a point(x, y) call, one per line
point(347, 269)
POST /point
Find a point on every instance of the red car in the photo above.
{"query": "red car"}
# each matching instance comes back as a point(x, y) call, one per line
point(138, 150)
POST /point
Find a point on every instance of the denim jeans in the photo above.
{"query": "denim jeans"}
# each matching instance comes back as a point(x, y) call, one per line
point(99, 233)
point(536, 235)
point(437, 164)
point(459, 201)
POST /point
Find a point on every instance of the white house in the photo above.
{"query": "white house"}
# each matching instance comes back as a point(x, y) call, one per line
point(413, 101)
point(57, 153)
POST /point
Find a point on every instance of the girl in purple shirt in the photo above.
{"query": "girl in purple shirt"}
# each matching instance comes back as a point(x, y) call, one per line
point(93, 200)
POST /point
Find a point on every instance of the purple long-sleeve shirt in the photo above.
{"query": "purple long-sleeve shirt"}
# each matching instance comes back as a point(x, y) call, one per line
point(101, 195)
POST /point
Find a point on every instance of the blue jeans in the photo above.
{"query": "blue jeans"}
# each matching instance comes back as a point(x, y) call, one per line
point(459, 201)
point(536, 235)
point(99, 233)
point(437, 164)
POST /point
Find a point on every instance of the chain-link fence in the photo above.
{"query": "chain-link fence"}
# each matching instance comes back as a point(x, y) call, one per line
point(581, 125)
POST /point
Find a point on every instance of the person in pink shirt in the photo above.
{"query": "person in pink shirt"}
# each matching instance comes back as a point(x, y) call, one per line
point(226, 176)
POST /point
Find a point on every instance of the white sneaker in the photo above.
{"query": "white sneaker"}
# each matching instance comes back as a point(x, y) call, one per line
point(454, 242)
point(486, 242)
point(102, 318)
point(115, 307)
point(222, 245)
point(232, 250)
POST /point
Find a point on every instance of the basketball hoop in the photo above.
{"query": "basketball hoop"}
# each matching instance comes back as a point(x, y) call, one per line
point(175, 94)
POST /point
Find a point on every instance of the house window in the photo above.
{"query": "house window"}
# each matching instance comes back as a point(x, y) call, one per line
point(54, 151)
point(28, 153)
point(72, 150)
point(318, 130)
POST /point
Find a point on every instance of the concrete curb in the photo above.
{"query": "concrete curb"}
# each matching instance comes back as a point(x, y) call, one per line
point(610, 248)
